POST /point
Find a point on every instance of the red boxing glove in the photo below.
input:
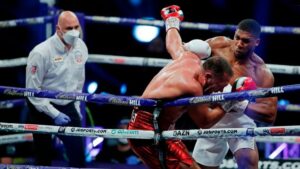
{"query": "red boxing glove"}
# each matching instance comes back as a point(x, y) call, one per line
point(243, 83)
point(172, 15)
point(172, 11)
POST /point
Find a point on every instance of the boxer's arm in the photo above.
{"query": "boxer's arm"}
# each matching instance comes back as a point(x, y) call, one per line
point(217, 43)
point(174, 44)
point(264, 109)
point(173, 15)
point(205, 116)
point(240, 84)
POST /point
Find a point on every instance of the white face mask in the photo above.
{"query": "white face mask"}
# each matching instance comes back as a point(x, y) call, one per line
point(70, 37)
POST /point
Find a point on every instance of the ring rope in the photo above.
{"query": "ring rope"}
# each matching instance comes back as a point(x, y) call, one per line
point(15, 138)
point(99, 98)
point(149, 134)
point(20, 166)
point(159, 62)
point(279, 139)
point(26, 21)
point(136, 101)
point(132, 60)
point(289, 107)
point(77, 131)
point(158, 23)
point(13, 62)
point(250, 94)
point(189, 25)
point(232, 132)
point(8, 104)
point(142, 61)
point(27, 137)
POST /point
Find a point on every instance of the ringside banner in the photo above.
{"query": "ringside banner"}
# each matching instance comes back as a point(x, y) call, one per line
point(265, 164)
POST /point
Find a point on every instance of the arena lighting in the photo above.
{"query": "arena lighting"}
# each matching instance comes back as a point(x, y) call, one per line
point(135, 2)
point(144, 33)
point(104, 93)
point(97, 141)
point(278, 150)
point(93, 146)
point(92, 87)
point(283, 102)
point(123, 88)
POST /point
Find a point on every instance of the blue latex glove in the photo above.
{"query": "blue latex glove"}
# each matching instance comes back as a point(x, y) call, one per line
point(62, 119)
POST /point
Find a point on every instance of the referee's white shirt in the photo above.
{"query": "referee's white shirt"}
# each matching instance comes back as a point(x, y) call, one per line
point(50, 66)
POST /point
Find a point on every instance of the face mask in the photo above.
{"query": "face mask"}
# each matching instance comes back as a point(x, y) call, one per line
point(70, 37)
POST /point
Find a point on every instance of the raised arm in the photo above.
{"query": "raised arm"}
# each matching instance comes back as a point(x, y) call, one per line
point(172, 15)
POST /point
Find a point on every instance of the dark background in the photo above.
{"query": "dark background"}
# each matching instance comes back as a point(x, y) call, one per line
point(118, 40)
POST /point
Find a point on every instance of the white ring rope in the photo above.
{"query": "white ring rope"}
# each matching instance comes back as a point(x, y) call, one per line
point(289, 107)
point(279, 139)
point(9, 104)
point(188, 25)
point(76, 131)
point(15, 138)
point(142, 61)
point(25, 21)
point(27, 137)
point(13, 62)
point(151, 22)
point(147, 134)
point(232, 132)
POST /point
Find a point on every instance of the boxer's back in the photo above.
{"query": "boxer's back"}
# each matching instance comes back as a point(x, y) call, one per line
point(179, 78)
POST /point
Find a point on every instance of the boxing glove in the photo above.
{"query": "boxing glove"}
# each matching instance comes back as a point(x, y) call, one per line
point(172, 15)
point(243, 83)
point(198, 47)
point(234, 106)
point(61, 119)
point(227, 106)
point(240, 84)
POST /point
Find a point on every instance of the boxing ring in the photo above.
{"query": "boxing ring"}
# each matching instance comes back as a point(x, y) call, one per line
point(262, 134)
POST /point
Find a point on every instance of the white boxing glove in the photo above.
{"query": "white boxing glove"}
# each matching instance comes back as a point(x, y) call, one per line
point(227, 88)
point(227, 106)
point(239, 107)
point(233, 106)
point(199, 47)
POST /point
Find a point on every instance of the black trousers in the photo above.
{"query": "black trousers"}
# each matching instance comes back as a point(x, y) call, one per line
point(43, 143)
